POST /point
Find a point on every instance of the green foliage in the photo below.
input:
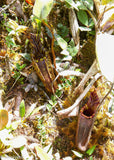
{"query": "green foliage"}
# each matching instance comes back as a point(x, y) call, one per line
point(20, 67)
point(83, 17)
point(72, 49)
point(52, 103)
point(61, 42)
point(10, 41)
point(63, 31)
point(88, 4)
point(91, 150)
point(17, 74)
point(88, 152)
point(71, 3)
point(22, 109)
point(41, 130)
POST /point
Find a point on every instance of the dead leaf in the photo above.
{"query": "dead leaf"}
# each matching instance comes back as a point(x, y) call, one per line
point(3, 118)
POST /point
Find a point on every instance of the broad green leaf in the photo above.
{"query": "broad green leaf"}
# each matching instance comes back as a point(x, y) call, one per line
point(83, 17)
point(72, 51)
point(72, 3)
point(22, 109)
point(91, 150)
point(81, 5)
point(105, 54)
point(62, 43)
point(78, 154)
point(3, 118)
point(88, 4)
point(41, 153)
point(42, 8)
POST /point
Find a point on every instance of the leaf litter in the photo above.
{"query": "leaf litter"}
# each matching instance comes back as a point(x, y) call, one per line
point(39, 133)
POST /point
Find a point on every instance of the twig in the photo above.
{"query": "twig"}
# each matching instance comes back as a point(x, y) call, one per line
point(92, 71)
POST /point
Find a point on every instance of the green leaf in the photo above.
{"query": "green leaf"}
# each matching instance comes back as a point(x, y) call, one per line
point(78, 154)
point(91, 150)
point(72, 4)
point(72, 51)
point(22, 109)
point(62, 43)
point(20, 67)
point(81, 5)
point(49, 107)
point(83, 17)
point(88, 4)
point(91, 23)
point(42, 8)
point(63, 31)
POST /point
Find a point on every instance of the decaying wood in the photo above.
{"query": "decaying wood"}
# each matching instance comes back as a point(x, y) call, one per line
point(73, 110)
point(74, 27)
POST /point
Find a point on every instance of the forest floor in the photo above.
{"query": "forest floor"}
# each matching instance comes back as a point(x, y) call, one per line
point(34, 129)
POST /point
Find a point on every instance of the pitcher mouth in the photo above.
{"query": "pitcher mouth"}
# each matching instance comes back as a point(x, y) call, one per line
point(86, 120)
point(89, 109)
